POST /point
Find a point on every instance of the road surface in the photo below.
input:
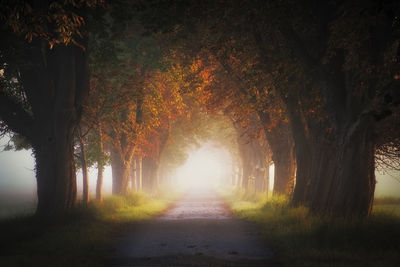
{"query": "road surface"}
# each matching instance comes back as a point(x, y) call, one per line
point(198, 230)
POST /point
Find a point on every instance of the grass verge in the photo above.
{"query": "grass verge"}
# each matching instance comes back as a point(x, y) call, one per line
point(300, 239)
point(83, 238)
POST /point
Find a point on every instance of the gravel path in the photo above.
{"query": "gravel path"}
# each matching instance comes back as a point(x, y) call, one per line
point(198, 231)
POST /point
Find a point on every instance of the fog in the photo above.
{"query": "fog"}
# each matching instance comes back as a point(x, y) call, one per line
point(207, 166)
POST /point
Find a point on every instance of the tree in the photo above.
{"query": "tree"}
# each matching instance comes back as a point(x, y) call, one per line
point(45, 83)
point(226, 44)
point(83, 164)
point(254, 156)
point(122, 61)
point(342, 58)
point(233, 73)
point(343, 55)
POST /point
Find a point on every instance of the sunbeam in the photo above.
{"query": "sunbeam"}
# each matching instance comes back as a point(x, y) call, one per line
point(205, 167)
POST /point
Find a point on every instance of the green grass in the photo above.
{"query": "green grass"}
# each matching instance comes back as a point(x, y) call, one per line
point(387, 201)
point(300, 239)
point(83, 238)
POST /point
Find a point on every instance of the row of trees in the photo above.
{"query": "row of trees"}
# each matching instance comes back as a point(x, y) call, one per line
point(80, 80)
point(137, 94)
point(310, 86)
point(322, 78)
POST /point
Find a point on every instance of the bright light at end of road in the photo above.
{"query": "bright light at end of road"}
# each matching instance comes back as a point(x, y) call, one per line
point(204, 168)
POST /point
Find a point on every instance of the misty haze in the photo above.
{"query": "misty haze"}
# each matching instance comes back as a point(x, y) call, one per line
point(200, 133)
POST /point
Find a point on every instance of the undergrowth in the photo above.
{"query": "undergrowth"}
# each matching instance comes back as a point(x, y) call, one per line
point(388, 200)
point(84, 237)
point(301, 239)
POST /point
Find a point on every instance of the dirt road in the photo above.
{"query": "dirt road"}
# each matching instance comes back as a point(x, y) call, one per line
point(198, 231)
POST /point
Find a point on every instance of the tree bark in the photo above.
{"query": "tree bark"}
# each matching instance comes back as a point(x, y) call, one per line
point(134, 184)
point(284, 172)
point(85, 174)
point(151, 163)
point(56, 91)
point(281, 144)
point(100, 167)
point(240, 177)
point(335, 171)
point(246, 165)
point(343, 182)
point(233, 176)
point(120, 173)
point(55, 174)
point(253, 151)
point(150, 173)
point(266, 178)
point(303, 177)
point(259, 162)
point(99, 183)
point(139, 172)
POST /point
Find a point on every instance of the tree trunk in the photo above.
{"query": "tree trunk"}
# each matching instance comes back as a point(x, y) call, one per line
point(247, 170)
point(284, 172)
point(335, 169)
point(134, 184)
point(55, 174)
point(120, 173)
point(56, 117)
point(139, 172)
point(303, 177)
point(259, 161)
point(99, 184)
point(348, 185)
point(85, 175)
point(253, 151)
point(281, 145)
point(240, 177)
point(233, 176)
point(150, 173)
point(100, 167)
point(266, 178)
point(54, 84)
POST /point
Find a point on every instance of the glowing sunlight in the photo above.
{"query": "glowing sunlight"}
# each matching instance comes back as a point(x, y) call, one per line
point(205, 167)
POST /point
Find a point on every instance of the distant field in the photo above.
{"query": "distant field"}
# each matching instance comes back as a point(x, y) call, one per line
point(387, 200)
point(389, 205)
point(16, 205)
point(388, 208)
point(7, 211)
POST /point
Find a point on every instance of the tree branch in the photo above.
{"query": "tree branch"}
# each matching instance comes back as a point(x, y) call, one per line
point(334, 95)
point(15, 117)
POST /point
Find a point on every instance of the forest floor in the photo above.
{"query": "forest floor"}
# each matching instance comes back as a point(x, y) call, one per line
point(198, 230)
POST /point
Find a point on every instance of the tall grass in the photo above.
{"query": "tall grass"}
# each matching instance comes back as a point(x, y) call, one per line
point(301, 239)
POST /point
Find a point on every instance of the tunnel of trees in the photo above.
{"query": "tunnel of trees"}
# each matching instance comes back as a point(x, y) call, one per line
point(313, 88)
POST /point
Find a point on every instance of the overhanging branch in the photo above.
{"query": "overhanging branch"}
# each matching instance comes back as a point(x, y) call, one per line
point(15, 117)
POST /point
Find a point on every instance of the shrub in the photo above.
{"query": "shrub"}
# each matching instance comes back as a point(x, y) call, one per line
point(113, 203)
point(136, 198)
